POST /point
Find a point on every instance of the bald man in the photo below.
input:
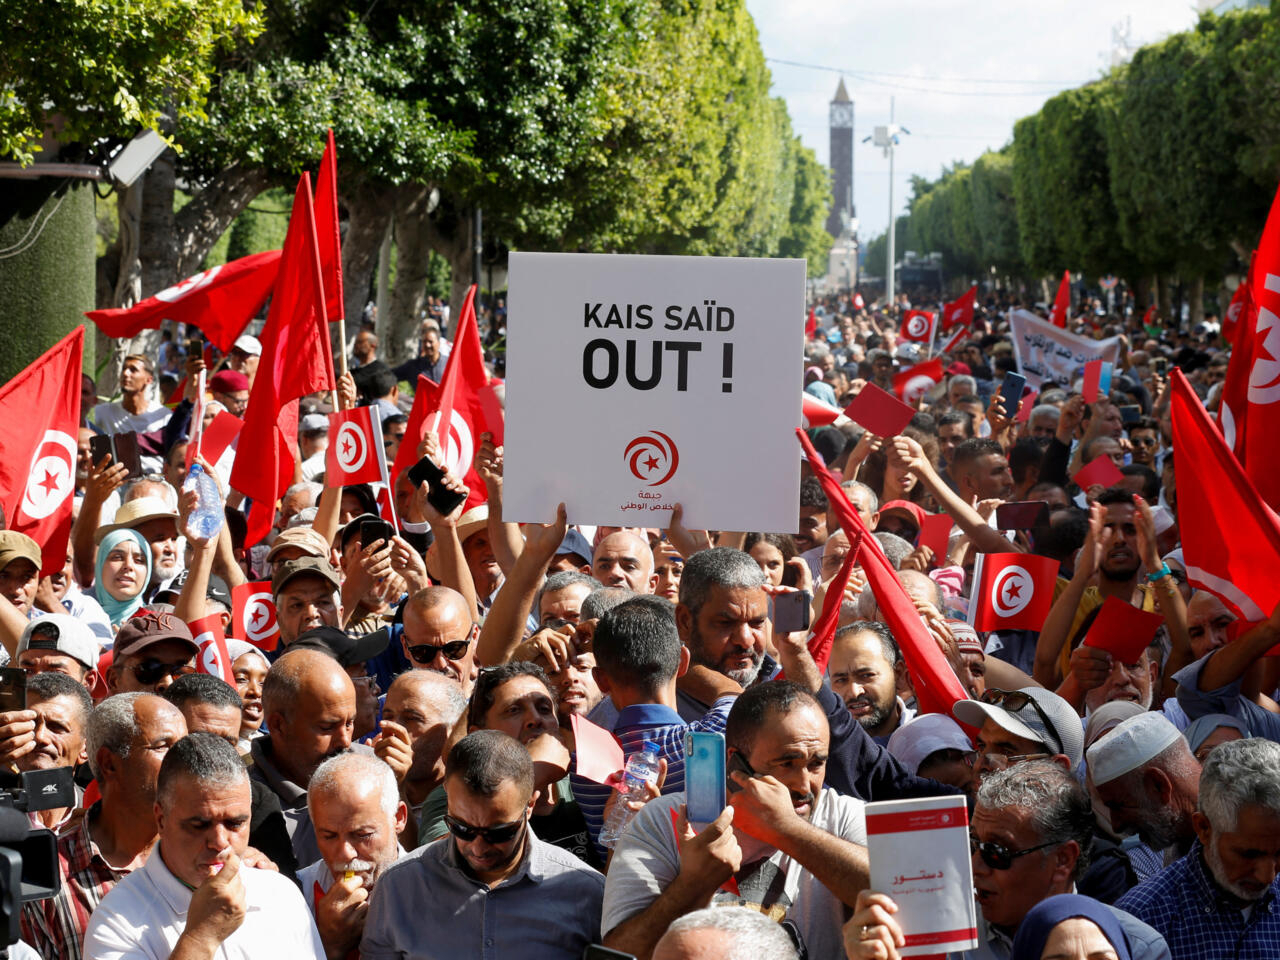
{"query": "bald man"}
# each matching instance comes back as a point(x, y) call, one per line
point(439, 635)
point(1208, 622)
point(624, 559)
point(309, 704)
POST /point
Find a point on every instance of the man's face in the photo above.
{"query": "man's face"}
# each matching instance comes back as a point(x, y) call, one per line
point(1112, 422)
point(1132, 809)
point(88, 395)
point(1146, 444)
point(482, 562)
point(291, 506)
point(898, 523)
point(728, 634)
point(1127, 681)
point(950, 436)
point(367, 692)
point(59, 735)
point(50, 661)
point(813, 528)
point(989, 477)
point(1208, 623)
point(508, 805)
point(306, 601)
point(575, 685)
point(1006, 896)
point(319, 726)
point(235, 402)
point(975, 411)
point(996, 742)
point(163, 660)
point(972, 356)
point(522, 708)
point(624, 560)
point(366, 346)
point(563, 604)
point(84, 453)
point(134, 377)
point(353, 832)
point(1244, 861)
point(18, 582)
point(881, 368)
point(975, 672)
point(1120, 561)
point(162, 534)
point(1043, 426)
point(861, 501)
point(1108, 447)
point(221, 721)
point(792, 747)
point(864, 680)
point(1055, 497)
point(198, 823)
point(391, 438)
point(440, 625)
point(957, 389)
point(160, 726)
point(409, 705)
point(430, 344)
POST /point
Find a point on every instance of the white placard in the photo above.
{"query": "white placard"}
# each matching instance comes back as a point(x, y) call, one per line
point(638, 382)
point(1045, 352)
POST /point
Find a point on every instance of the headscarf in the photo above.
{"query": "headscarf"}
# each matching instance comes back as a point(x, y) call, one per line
point(1033, 932)
point(1198, 731)
point(120, 610)
point(238, 648)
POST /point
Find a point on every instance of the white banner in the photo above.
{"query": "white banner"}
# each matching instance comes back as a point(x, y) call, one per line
point(1045, 352)
point(638, 382)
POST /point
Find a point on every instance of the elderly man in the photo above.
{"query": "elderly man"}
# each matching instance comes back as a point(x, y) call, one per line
point(439, 634)
point(149, 652)
point(195, 898)
point(624, 559)
point(722, 933)
point(48, 734)
point(866, 669)
point(1219, 900)
point(307, 594)
point(1021, 725)
point(505, 892)
point(782, 831)
point(129, 735)
point(58, 643)
point(357, 812)
point(231, 389)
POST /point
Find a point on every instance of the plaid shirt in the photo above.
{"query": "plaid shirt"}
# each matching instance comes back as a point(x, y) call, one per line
point(1198, 921)
point(55, 927)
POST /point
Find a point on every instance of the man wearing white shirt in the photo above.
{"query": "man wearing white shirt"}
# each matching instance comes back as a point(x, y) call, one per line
point(194, 899)
point(137, 410)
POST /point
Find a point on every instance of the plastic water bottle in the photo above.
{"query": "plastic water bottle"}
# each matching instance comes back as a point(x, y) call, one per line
point(641, 771)
point(207, 518)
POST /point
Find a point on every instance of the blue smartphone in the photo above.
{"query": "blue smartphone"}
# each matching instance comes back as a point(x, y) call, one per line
point(1011, 388)
point(704, 776)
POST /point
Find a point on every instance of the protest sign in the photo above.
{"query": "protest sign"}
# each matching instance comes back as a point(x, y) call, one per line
point(1044, 352)
point(682, 378)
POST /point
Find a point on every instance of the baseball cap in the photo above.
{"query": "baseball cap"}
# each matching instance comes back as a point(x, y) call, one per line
point(912, 743)
point(1063, 734)
point(348, 650)
point(574, 542)
point(959, 368)
point(228, 381)
point(313, 423)
point(216, 590)
point(304, 538)
point(289, 569)
point(352, 528)
point(248, 344)
point(912, 511)
point(61, 633)
point(15, 545)
point(1129, 745)
point(133, 514)
point(141, 632)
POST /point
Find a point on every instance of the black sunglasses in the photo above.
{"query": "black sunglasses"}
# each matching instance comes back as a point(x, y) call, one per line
point(1016, 700)
point(425, 653)
point(153, 671)
point(502, 833)
point(999, 857)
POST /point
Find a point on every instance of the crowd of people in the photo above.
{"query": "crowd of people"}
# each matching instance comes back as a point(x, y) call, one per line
point(410, 769)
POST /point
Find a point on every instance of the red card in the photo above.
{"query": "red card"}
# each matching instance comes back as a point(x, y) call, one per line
point(935, 534)
point(599, 755)
point(1101, 469)
point(1122, 630)
point(1028, 403)
point(879, 411)
point(222, 429)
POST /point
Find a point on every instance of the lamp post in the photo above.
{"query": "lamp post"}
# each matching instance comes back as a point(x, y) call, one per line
point(887, 138)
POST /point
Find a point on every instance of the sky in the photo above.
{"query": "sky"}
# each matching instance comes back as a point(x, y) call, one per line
point(961, 74)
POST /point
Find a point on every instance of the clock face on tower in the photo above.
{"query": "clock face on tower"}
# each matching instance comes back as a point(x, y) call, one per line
point(842, 115)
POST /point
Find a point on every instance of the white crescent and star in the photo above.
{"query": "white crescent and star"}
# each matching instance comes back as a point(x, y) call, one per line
point(1011, 591)
point(51, 478)
point(259, 620)
point(352, 449)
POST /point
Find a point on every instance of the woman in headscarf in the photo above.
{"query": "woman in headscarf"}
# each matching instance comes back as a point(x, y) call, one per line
point(249, 666)
point(1210, 730)
point(120, 574)
point(1070, 927)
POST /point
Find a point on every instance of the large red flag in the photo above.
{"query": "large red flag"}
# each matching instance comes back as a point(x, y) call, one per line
point(1062, 302)
point(220, 301)
point(1230, 537)
point(39, 420)
point(935, 683)
point(296, 360)
point(1012, 591)
point(960, 311)
point(1237, 310)
point(426, 397)
point(327, 233)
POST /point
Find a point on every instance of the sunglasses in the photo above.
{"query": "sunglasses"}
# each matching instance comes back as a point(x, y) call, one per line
point(502, 833)
point(999, 857)
point(453, 650)
point(153, 671)
point(1014, 701)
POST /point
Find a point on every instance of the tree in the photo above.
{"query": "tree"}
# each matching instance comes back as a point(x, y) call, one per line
point(994, 215)
point(806, 233)
point(1037, 239)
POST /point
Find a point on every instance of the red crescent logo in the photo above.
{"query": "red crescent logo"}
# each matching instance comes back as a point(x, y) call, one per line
point(650, 455)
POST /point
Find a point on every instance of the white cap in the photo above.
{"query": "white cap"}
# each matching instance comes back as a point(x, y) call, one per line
point(313, 422)
point(1130, 745)
point(249, 345)
point(912, 743)
point(61, 633)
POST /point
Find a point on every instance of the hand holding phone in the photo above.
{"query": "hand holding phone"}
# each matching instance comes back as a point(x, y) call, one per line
point(704, 776)
point(441, 498)
point(791, 611)
point(372, 531)
point(1011, 388)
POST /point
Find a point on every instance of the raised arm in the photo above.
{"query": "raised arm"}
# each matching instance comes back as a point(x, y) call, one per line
point(504, 537)
point(1063, 612)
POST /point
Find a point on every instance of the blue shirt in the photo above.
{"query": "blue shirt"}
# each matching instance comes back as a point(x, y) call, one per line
point(1198, 921)
point(1198, 703)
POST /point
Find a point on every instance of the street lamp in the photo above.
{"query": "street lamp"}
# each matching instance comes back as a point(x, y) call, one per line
point(887, 138)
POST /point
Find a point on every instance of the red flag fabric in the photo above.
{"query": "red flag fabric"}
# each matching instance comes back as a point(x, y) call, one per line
point(39, 423)
point(213, 657)
point(222, 432)
point(960, 311)
point(296, 360)
point(327, 233)
point(1237, 310)
point(953, 341)
point(1062, 302)
point(1149, 317)
point(1231, 540)
point(355, 453)
point(935, 683)
point(425, 400)
point(879, 411)
point(811, 325)
point(858, 302)
point(918, 326)
point(818, 414)
point(914, 381)
point(1013, 591)
point(253, 615)
point(219, 301)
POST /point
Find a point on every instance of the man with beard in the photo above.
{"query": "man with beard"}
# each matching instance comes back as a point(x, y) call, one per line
point(1219, 900)
point(152, 517)
point(865, 670)
point(357, 812)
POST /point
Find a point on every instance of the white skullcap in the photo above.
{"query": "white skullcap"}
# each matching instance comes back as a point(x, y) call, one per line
point(1130, 745)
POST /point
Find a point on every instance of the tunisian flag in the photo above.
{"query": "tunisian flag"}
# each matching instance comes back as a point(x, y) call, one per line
point(960, 311)
point(355, 453)
point(811, 324)
point(815, 413)
point(1237, 310)
point(39, 420)
point(935, 683)
point(213, 658)
point(1062, 302)
point(296, 360)
point(1014, 591)
point(911, 383)
point(219, 301)
point(918, 326)
point(253, 615)
point(1230, 537)
point(328, 235)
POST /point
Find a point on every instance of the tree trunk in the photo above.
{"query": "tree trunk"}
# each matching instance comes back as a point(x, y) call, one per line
point(199, 224)
point(413, 254)
point(1164, 291)
point(382, 299)
point(1195, 293)
point(368, 216)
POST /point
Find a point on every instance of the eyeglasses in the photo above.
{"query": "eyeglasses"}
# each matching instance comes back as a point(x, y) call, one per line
point(149, 672)
point(999, 857)
point(1015, 701)
point(1000, 761)
point(502, 833)
point(453, 650)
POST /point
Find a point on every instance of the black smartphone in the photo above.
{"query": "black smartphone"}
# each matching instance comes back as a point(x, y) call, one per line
point(99, 447)
point(126, 445)
point(1130, 413)
point(736, 763)
point(1022, 515)
point(1160, 365)
point(1011, 388)
point(13, 689)
point(427, 471)
point(374, 530)
point(791, 611)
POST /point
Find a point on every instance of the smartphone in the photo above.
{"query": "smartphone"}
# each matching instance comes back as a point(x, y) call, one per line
point(737, 764)
point(1021, 515)
point(791, 611)
point(597, 952)
point(373, 530)
point(13, 690)
point(1160, 365)
point(1130, 413)
point(427, 471)
point(126, 445)
point(1011, 388)
point(99, 447)
point(704, 776)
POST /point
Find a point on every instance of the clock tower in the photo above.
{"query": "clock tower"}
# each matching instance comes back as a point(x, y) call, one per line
point(841, 162)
